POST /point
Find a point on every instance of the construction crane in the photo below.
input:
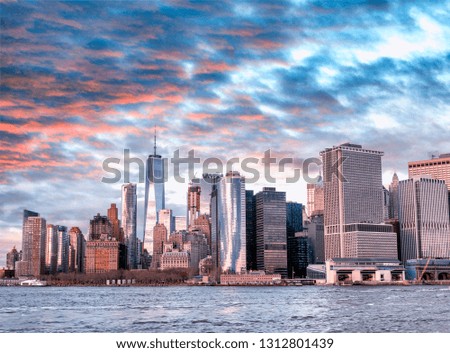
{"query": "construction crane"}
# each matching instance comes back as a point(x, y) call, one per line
point(424, 269)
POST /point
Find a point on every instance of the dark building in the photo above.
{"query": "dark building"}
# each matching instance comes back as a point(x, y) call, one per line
point(294, 224)
point(100, 228)
point(250, 219)
point(271, 247)
point(11, 258)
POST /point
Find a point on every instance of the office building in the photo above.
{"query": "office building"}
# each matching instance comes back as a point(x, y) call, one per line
point(271, 242)
point(180, 223)
point(175, 259)
point(116, 229)
point(166, 218)
point(315, 198)
point(62, 263)
point(159, 238)
point(102, 256)
point(154, 196)
point(438, 167)
point(386, 203)
point(33, 245)
point(203, 225)
point(193, 204)
point(100, 228)
point(228, 224)
point(353, 215)
point(129, 223)
point(393, 197)
point(12, 257)
point(76, 250)
point(51, 249)
point(295, 244)
point(423, 218)
point(250, 225)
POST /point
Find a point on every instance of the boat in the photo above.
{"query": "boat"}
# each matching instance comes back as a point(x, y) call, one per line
point(33, 283)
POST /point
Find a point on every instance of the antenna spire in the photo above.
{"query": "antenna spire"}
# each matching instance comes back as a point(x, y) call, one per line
point(154, 146)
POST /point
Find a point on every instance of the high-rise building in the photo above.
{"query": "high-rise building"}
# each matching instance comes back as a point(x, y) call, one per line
point(271, 242)
point(154, 196)
point(62, 264)
point(205, 183)
point(313, 229)
point(76, 258)
point(196, 245)
point(159, 238)
point(393, 197)
point(294, 224)
point(33, 245)
point(250, 225)
point(129, 222)
point(353, 215)
point(102, 256)
point(315, 198)
point(180, 223)
point(228, 224)
point(386, 203)
point(165, 217)
point(438, 167)
point(113, 216)
point(423, 217)
point(51, 249)
point(193, 204)
point(100, 228)
point(203, 224)
point(12, 257)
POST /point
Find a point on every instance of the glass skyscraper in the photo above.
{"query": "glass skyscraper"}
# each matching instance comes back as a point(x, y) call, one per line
point(154, 196)
point(228, 231)
point(129, 222)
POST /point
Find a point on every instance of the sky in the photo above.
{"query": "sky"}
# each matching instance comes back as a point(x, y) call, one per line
point(83, 81)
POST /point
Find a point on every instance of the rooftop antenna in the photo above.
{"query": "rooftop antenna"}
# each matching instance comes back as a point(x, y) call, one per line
point(154, 146)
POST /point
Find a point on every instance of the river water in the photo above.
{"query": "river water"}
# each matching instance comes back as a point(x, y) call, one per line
point(225, 309)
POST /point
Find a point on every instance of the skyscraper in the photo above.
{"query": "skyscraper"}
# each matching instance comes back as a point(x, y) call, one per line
point(271, 242)
point(12, 257)
point(193, 203)
point(250, 225)
point(165, 217)
point(315, 198)
point(154, 196)
point(393, 197)
point(160, 237)
point(51, 249)
point(438, 167)
point(33, 245)
point(76, 259)
point(129, 222)
point(62, 264)
point(180, 223)
point(295, 244)
point(353, 215)
point(228, 223)
point(113, 216)
point(423, 217)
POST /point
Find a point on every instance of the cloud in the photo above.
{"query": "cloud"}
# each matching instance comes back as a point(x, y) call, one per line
point(80, 82)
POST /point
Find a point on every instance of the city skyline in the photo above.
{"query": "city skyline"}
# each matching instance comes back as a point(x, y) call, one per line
point(228, 80)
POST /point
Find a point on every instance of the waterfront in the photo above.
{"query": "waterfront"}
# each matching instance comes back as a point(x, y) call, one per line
point(225, 309)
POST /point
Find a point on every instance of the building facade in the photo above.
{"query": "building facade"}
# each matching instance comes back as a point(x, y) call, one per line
point(193, 204)
point(165, 217)
point(228, 235)
point(315, 198)
point(250, 225)
point(159, 238)
point(438, 167)
point(33, 245)
point(393, 197)
point(271, 242)
point(102, 256)
point(423, 218)
point(129, 223)
point(296, 248)
point(354, 204)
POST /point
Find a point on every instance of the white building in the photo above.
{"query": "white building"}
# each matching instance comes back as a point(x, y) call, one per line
point(423, 218)
point(353, 214)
